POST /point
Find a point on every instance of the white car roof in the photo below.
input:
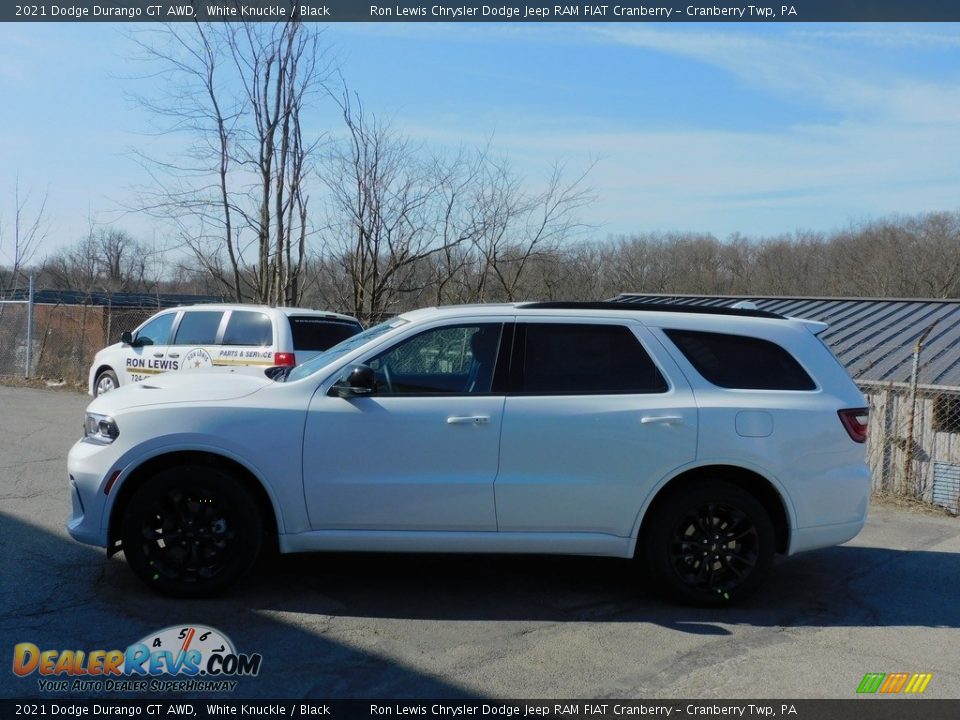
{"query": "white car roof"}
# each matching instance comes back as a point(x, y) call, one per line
point(288, 311)
point(654, 313)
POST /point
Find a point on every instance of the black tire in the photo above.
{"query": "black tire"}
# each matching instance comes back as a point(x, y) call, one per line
point(709, 544)
point(105, 382)
point(191, 531)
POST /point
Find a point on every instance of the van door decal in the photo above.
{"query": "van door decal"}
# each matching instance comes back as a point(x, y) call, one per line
point(196, 358)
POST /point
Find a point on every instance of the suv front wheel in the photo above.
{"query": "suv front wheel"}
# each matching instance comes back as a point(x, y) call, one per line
point(191, 530)
point(709, 544)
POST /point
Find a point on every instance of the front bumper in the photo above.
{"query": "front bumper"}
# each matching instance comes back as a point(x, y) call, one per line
point(89, 465)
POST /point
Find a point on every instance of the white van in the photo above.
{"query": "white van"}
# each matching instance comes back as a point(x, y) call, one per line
point(198, 336)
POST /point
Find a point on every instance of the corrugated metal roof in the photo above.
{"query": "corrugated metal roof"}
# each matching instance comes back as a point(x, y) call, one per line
point(873, 337)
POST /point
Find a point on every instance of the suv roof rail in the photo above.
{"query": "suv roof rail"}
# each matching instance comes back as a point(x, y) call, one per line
point(649, 307)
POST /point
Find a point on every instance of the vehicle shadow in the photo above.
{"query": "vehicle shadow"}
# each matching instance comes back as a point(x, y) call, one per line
point(849, 586)
point(61, 595)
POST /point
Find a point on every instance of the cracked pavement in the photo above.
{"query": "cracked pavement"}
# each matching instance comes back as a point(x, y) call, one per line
point(340, 626)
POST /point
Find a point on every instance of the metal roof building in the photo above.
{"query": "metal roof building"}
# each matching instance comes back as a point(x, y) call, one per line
point(873, 337)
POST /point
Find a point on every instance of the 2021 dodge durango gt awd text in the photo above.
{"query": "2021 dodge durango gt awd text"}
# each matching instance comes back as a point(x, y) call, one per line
point(699, 442)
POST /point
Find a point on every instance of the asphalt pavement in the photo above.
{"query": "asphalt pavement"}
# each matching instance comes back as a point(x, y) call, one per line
point(404, 626)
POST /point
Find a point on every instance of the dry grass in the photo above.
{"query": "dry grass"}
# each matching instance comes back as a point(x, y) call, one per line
point(908, 503)
point(42, 383)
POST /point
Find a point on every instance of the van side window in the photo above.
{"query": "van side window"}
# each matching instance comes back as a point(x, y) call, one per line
point(198, 327)
point(740, 362)
point(584, 359)
point(248, 328)
point(157, 331)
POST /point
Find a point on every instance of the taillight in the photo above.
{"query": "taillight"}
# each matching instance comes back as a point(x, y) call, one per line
point(855, 422)
point(284, 359)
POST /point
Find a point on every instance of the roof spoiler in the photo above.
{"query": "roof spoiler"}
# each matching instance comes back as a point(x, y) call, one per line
point(814, 326)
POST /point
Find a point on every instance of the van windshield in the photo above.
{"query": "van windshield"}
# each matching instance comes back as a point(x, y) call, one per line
point(341, 349)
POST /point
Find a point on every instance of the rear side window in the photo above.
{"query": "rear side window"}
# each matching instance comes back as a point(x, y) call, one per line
point(248, 328)
point(198, 328)
point(317, 333)
point(585, 360)
point(740, 362)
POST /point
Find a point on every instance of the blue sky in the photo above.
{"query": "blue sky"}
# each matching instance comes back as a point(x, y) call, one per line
point(722, 128)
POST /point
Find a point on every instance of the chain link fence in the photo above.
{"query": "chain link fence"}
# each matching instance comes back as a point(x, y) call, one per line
point(913, 447)
point(13, 338)
point(65, 336)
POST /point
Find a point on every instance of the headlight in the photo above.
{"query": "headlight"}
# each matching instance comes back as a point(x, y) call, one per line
point(100, 428)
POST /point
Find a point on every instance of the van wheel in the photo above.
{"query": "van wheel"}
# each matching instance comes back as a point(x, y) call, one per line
point(709, 545)
point(105, 382)
point(191, 531)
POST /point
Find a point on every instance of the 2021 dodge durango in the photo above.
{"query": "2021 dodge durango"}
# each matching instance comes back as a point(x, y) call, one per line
point(700, 442)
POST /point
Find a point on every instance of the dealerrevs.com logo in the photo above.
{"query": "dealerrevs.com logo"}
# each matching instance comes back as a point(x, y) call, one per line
point(179, 658)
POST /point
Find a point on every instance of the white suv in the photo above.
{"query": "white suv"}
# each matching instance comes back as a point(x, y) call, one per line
point(702, 441)
point(198, 336)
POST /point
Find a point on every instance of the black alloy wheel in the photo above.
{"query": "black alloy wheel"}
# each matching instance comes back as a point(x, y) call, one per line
point(191, 531)
point(710, 544)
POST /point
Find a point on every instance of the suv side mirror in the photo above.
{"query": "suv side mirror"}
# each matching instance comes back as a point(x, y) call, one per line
point(126, 337)
point(359, 381)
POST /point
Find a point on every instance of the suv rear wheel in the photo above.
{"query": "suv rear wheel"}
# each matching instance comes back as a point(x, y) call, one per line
point(191, 530)
point(709, 544)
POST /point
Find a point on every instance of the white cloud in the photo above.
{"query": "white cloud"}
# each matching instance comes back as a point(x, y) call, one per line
point(816, 177)
point(794, 65)
point(895, 36)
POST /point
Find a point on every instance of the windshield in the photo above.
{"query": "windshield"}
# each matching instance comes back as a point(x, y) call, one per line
point(341, 349)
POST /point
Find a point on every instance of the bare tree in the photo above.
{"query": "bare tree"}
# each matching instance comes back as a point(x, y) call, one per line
point(22, 237)
point(388, 209)
point(520, 227)
point(937, 245)
point(105, 260)
point(238, 197)
point(404, 226)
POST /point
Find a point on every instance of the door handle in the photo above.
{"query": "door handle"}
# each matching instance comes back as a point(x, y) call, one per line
point(158, 354)
point(661, 419)
point(173, 355)
point(469, 420)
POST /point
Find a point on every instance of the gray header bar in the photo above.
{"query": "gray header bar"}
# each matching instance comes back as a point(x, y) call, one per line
point(488, 11)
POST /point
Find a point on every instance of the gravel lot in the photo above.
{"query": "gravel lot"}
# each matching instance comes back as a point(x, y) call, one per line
point(334, 626)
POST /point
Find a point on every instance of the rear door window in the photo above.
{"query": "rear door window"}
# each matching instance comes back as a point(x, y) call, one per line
point(318, 333)
point(582, 359)
point(741, 362)
point(253, 329)
point(199, 327)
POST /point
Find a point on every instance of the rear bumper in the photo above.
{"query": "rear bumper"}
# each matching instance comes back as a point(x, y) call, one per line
point(821, 536)
point(831, 506)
